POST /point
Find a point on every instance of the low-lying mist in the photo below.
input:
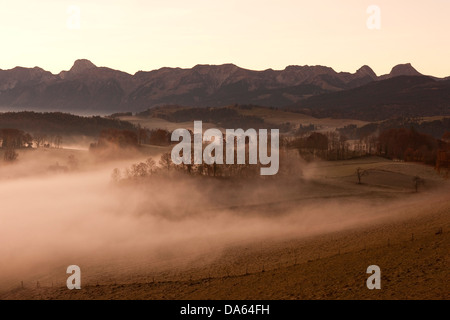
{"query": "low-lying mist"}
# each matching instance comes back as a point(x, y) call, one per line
point(82, 217)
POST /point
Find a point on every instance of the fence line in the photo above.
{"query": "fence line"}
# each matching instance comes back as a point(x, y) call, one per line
point(249, 269)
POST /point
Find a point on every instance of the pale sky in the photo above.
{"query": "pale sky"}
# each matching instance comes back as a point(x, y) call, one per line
point(133, 35)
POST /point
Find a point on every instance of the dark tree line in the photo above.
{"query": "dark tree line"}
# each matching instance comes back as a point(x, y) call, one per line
point(325, 146)
point(116, 138)
point(13, 139)
point(225, 117)
point(288, 166)
point(58, 123)
point(16, 139)
point(166, 166)
point(131, 138)
point(396, 143)
point(408, 145)
point(158, 137)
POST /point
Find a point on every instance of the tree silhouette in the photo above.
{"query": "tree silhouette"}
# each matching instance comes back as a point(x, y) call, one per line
point(361, 173)
point(166, 161)
point(418, 181)
point(151, 165)
point(10, 154)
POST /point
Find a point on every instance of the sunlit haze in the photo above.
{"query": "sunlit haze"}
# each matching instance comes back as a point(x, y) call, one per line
point(138, 35)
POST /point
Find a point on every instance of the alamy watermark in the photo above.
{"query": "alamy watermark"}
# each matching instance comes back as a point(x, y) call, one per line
point(374, 20)
point(217, 149)
point(74, 19)
point(374, 281)
point(74, 281)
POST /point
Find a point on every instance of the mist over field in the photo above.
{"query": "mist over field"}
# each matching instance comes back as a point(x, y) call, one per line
point(262, 151)
point(50, 220)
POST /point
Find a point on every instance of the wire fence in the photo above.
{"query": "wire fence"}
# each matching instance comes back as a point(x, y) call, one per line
point(262, 263)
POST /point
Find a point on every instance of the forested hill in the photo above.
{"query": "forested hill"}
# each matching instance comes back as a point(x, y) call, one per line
point(403, 96)
point(60, 123)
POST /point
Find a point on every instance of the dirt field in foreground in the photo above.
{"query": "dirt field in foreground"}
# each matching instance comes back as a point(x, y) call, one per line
point(412, 252)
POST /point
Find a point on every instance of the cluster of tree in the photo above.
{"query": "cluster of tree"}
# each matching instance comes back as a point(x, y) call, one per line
point(57, 123)
point(283, 127)
point(115, 138)
point(47, 141)
point(166, 166)
point(326, 146)
point(13, 139)
point(289, 165)
point(304, 129)
point(408, 145)
point(314, 146)
point(354, 132)
point(158, 137)
point(16, 139)
point(396, 143)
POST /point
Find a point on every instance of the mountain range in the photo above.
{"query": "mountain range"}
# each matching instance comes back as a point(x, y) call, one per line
point(318, 90)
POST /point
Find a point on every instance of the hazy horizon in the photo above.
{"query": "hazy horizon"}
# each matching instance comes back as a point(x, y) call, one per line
point(148, 35)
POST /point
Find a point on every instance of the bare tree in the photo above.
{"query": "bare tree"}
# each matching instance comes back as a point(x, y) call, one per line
point(139, 170)
point(10, 155)
point(151, 165)
point(57, 141)
point(418, 181)
point(166, 161)
point(39, 139)
point(361, 173)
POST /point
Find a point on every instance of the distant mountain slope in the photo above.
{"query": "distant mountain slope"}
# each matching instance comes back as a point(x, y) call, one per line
point(86, 87)
point(379, 100)
point(401, 70)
